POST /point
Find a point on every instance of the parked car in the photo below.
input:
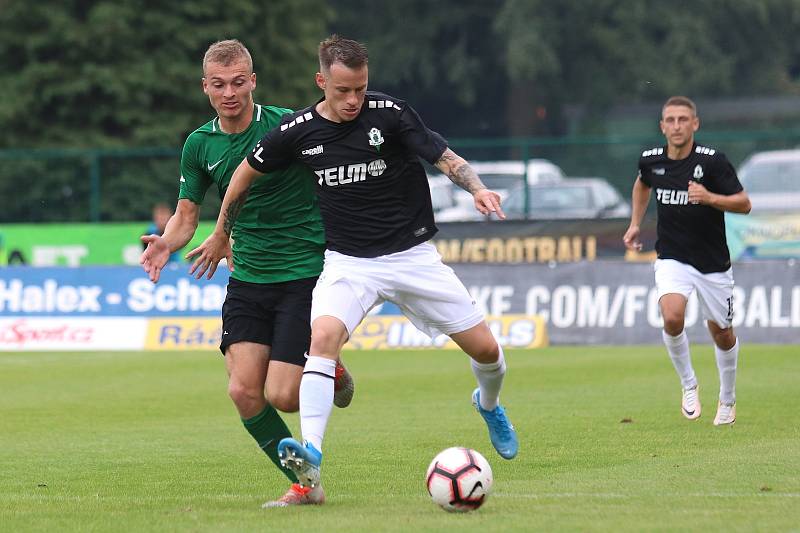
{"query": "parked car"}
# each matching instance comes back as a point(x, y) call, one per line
point(442, 192)
point(500, 176)
point(770, 231)
point(772, 180)
point(571, 198)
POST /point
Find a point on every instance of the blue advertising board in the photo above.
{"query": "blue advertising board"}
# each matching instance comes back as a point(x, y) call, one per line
point(108, 291)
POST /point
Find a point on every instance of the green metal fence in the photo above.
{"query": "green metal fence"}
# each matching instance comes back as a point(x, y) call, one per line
point(96, 185)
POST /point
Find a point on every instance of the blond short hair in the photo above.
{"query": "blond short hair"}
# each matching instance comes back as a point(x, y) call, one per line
point(227, 52)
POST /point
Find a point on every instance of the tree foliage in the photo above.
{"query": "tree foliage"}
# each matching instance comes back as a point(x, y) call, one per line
point(127, 72)
point(552, 53)
point(441, 57)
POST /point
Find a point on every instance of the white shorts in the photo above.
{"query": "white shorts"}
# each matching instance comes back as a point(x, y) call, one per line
point(427, 291)
point(714, 290)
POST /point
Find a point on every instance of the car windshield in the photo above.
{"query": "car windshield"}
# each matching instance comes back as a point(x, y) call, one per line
point(771, 176)
point(502, 181)
point(569, 198)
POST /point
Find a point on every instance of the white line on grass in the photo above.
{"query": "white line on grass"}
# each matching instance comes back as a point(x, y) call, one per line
point(611, 495)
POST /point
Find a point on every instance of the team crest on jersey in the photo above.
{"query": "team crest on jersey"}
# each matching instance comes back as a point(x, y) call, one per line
point(698, 173)
point(375, 138)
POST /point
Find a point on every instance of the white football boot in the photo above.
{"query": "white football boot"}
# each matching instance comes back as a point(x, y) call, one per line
point(726, 414)
point(690, 403)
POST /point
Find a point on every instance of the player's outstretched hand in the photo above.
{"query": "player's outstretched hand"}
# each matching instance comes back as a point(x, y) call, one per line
point(488, 202)
point(216, 247)
point(631, 239)
point(154, 256)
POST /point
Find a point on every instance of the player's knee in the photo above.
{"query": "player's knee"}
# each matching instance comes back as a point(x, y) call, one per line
point(725, 339)
point(486, 351)
point(326, 341)
point(245, 398)
point(284, 400)
point(673, 323)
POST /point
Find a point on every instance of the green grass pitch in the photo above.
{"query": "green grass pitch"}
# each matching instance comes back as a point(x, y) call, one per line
point(146, 441)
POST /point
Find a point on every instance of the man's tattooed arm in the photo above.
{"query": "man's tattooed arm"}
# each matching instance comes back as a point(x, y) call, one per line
point(232, 212)
point(459, 172)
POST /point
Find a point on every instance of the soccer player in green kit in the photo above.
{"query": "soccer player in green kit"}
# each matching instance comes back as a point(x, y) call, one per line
point(277, 255)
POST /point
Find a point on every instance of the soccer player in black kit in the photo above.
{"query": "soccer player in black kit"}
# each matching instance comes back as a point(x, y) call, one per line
point(376, 209)
point(694, 186)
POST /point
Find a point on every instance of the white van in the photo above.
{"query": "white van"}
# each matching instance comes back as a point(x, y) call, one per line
point(499, 176)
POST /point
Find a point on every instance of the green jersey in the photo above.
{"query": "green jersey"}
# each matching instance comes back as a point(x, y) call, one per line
point(278, 234)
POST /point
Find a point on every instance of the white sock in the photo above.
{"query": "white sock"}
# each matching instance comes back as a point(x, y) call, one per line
point(678, 349)
point(316, 398)
point(726, 364)
point(490, 380)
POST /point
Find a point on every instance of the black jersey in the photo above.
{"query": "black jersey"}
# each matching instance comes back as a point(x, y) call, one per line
point(373, 192)
point(693, 234)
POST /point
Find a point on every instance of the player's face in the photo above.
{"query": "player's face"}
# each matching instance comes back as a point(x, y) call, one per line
point(344, 90)
point(678, 124)
point(230, 88)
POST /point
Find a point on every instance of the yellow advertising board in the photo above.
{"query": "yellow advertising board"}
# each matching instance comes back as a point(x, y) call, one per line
point(181, 333)
point(375, 332)
point(396, 332)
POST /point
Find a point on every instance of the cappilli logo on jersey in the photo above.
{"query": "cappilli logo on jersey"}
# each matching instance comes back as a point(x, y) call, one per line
point(345, 174)
point(375, 138)
point(698, 173)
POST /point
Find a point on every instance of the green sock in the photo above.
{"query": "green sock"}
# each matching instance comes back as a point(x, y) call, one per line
point(268, 428)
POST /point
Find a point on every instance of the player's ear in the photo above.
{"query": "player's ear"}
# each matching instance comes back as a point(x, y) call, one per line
point(253, 79)
point(320, 79)
point(696, 124)
point(204, 84)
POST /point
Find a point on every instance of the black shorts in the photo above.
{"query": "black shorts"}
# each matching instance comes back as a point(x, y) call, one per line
point(273, 314)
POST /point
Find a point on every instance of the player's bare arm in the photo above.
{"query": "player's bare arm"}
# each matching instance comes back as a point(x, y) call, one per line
point(178, 232)
point(232, 212)
point(459, 171)
point(217, 245)
point(735, 203)
point(463, 175)
point(640, 197)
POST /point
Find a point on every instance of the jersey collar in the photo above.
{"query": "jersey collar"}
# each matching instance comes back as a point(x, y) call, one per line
point(215, 127)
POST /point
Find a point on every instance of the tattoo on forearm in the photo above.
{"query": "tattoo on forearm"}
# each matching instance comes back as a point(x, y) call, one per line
point(232, 213)
point(466, 178)
point(460, 172)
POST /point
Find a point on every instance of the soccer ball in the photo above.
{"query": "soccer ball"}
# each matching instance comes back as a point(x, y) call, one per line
point(459, 480)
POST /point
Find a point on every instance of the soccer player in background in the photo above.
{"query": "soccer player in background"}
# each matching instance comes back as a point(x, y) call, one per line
point(275, 261)
point(694, 186)
point(376, 207)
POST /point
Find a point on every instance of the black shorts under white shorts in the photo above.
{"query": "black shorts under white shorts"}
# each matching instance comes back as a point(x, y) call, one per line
point(273, 314)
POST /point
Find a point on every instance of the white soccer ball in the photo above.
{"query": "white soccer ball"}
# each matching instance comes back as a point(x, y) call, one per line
point(459, 480)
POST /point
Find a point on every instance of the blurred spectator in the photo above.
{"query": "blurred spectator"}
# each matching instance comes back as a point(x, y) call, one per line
point(10, 257)
point(161, 215)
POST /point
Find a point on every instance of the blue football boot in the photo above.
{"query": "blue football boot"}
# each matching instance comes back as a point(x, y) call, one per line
point(501, 432)
point(302, 459)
